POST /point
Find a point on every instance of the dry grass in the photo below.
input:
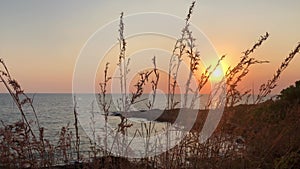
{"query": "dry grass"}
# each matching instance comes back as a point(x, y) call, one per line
point(266, 88)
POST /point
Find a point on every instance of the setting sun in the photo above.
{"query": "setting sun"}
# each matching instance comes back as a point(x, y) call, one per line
point(217, 74)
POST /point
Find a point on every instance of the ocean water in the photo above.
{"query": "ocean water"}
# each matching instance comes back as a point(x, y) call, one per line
point(55, 111)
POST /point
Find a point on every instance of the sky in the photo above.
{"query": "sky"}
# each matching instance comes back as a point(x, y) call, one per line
point(40, 41)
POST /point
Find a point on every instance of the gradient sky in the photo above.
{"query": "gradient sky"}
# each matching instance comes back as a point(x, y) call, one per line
point(40, 40)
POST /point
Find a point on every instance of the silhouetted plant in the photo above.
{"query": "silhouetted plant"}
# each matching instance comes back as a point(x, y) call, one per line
point(123, 68)
point(194, 55)
point(104, 103)
point(65, 143)
point(266, 88)
point(205, 76)
point(176, 59)
point(123, 65)
point(77, 138)
point(154, 84)
point(186, 47)
point(15, 91)
point(237, 73)
point(20, 99)
point(291, 94)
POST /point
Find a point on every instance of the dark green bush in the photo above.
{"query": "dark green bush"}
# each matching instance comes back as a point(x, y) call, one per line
point(291, 94)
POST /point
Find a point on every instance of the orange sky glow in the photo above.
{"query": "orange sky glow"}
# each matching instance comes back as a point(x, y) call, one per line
point(41, 40)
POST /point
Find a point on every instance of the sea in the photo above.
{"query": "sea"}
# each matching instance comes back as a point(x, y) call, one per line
point(55, 111)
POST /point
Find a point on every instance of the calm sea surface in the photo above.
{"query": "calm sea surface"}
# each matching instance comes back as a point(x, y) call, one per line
point(55, 111)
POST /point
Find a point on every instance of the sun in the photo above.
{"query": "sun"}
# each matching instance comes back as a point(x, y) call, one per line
point(217, 75)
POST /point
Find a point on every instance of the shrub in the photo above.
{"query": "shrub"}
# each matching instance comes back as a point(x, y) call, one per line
point(291, 94)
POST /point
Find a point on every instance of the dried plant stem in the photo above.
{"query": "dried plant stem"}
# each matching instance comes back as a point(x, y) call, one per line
point(123, 63)
point(266, 88)
point(203, 81)
point(77, 141)
point(123, 68)
point(236, 74)
point(154, 84)
point(15, 91)
point(17, 88)
point(194, 63)
point(144, 77)
point(175, 61)
point(104, 103)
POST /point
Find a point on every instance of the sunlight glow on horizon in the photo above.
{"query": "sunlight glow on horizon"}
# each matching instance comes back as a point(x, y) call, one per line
point(40, 41)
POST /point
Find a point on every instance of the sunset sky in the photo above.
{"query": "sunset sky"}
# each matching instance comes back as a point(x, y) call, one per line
point(41, 40)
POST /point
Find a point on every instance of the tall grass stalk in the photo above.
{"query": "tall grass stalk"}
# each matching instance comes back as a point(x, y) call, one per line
point(123, 64)
point(154, 84)
point(203, 81)
point(266, 88)
point(15, 91)
point(105, 104)
point(175, 61)
point(235, 75)
point(194, 57)
point(77, 141)
point(123, 68)
point(20, 99)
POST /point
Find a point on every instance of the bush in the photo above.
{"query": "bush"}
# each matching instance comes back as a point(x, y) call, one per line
point(291, 94)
